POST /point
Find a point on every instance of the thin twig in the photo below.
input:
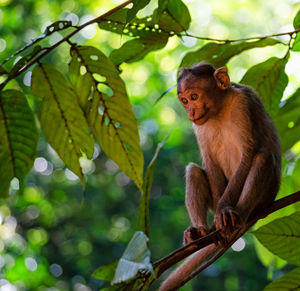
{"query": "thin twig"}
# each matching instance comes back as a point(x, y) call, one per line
point(242, 39)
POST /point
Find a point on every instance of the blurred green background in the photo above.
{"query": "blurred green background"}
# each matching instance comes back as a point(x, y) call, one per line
point(52, 234)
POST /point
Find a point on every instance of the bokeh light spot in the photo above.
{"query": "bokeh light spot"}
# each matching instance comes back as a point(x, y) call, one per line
point(56, 270)
point(239, 245)
point(31, 264)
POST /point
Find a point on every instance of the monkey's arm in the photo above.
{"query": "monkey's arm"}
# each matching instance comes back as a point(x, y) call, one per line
point(216, 179)
point(225, 214)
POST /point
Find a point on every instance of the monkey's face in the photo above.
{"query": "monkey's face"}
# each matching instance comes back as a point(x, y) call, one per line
point(195, 99)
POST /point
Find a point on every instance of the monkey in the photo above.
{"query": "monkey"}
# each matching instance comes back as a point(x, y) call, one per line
point(241, 159)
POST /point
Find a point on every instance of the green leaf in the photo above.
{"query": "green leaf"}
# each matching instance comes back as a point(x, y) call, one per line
point(279, 235)
point(289, 282)
point(24, 60)
point(2, 71)
point(287, 121)
point(220, 54)
point(80, 79)
point(267, 258)
point(135, 258)
point(296, 21)
point(180, 13)
point(159, 24)
point(143, 220)
point(137, 5)
point(177, 10)
point(18, 138)
point(269, 80)
point(106, 272)
point(110, 117)
point(57, 26)
point(116, 23)
point(296, 44)
point(136, 49)
point(61, 118)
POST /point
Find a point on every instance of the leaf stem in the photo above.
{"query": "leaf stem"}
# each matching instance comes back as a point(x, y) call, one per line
point(242, 39)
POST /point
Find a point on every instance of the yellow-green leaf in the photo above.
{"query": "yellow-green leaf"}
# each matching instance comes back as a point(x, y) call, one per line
point(279, 235)
point(61, 118)
point(143, 220)
point(110, 114)
point(18, 138)
point(289, 282)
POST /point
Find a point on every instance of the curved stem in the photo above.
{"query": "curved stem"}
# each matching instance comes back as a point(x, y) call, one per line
point(243, 39)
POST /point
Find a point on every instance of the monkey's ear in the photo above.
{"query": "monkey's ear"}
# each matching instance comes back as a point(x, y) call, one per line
point(222, 78)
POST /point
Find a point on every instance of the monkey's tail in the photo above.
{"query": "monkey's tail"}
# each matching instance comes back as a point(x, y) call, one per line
point(187, 267)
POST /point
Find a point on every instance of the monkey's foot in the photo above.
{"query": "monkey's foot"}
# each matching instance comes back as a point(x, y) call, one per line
point(193, 233)
point(227, 220)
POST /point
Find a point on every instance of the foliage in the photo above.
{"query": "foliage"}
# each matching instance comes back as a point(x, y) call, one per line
point(90, 102)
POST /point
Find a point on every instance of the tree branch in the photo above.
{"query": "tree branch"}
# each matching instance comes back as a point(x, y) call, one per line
point(66, 38)
point(165, 263)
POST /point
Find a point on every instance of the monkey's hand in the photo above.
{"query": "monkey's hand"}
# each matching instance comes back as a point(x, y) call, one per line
point(192, 233)
point(227, 220)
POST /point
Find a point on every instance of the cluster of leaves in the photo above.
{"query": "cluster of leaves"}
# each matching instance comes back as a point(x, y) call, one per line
point(92, 103)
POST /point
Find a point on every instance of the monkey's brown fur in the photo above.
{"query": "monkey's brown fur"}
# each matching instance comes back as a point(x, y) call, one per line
point(240, 153)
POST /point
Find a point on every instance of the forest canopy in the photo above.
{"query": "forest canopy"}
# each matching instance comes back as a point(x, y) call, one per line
point(93, 141)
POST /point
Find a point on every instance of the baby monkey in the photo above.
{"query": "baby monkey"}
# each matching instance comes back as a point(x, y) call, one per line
point(240, 154)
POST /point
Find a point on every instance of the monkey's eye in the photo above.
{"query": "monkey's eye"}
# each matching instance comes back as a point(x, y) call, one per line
point(194, 96)
point(184, 101)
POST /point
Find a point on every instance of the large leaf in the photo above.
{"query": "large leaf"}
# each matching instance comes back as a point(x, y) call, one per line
point(289, 282)
point(116, 23)
point(143, 220)
point(18, 138)
point(110, 117)
point(137, 49)
point(268, 259)
point(160, 22)
point(61, 118)
point(177, 10)
point(269, 80)
point(287, 121)
point(281, 237)
point(135, 258)
point(220, 54)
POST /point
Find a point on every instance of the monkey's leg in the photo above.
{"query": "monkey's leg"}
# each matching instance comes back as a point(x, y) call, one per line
point(197, 200)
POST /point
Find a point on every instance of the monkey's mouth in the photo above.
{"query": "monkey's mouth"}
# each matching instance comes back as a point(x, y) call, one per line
point(201, 119)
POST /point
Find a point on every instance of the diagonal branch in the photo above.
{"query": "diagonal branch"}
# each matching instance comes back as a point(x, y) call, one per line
point(66, 38)
point(165, 263)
